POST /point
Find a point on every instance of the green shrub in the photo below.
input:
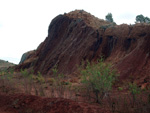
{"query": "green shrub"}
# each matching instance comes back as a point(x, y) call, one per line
point(98, 78)
point(134, 90)
point(60, 82)
point(109, 17)
point(40, 78)
point(27, 81)
point(142, 19)
point(120, 88)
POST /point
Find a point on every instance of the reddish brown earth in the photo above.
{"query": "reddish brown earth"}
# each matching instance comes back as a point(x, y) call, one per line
point(79, 36)
point(76, 37)
point(21, 103)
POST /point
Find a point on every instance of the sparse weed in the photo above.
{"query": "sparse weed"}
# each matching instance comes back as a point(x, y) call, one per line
point(41, 82)
point(120, 88)
point(59, 83)
point(6, 83)
point(27, 81)
point(98, 79)
point(134, 90)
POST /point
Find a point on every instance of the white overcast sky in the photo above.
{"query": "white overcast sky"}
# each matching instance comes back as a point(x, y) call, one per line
point(24, 23)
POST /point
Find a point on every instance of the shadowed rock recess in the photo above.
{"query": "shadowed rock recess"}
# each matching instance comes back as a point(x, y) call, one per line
point(78, 36)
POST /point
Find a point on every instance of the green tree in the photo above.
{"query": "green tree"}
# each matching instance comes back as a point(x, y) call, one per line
point(140, 18)
point(147, 20)
point(98, 78)
point(109, 17)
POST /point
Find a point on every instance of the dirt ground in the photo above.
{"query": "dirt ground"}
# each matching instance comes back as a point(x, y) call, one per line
point(21, 103)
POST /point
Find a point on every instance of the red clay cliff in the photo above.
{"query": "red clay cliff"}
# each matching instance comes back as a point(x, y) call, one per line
point(79, 36)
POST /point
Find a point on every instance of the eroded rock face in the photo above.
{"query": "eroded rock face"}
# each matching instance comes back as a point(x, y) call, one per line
point(130, 50)
point(28, 60)
point(26, 56)
point(78, 36)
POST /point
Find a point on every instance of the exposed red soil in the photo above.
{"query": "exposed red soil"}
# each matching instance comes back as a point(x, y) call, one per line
point(76, 37)
point(79, 36)
point(21, 103)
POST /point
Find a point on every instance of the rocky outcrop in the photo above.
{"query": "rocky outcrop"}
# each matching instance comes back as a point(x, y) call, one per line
point(70, 40)
point(28, 60)
point(127, 47)
point(5, 65)
point(78, 36)
point(26, 56)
